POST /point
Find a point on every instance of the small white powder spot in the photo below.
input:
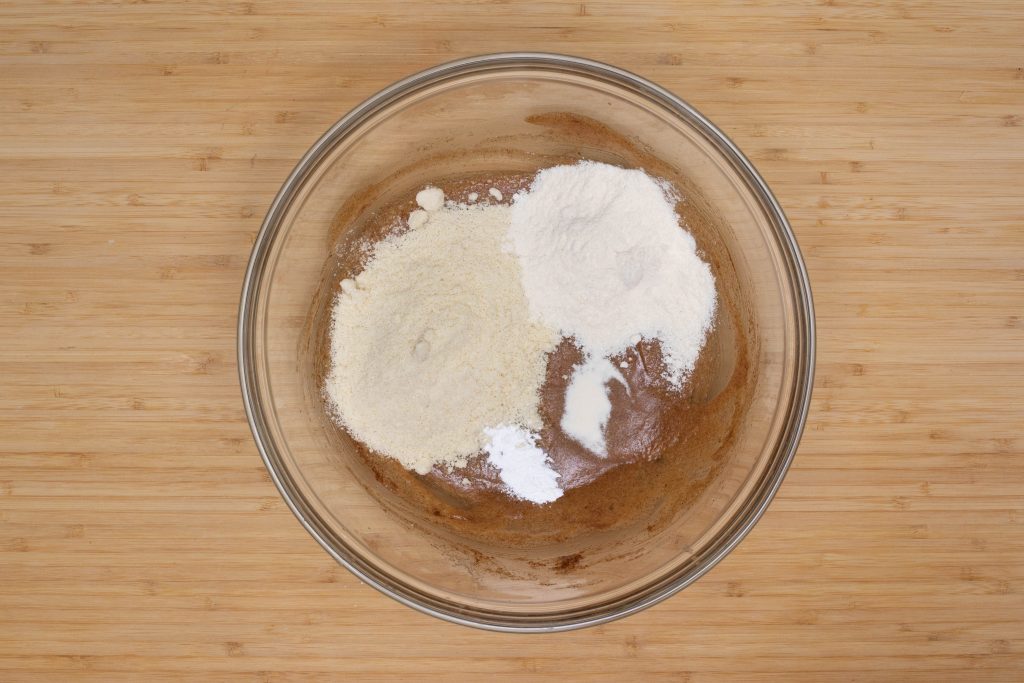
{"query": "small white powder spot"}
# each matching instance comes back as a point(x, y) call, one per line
point(418, 218)
point(430, 198)
point(523, 467)
point(465, 481)
point(348, 285)
point(624, 364)
point(473, 196)
point(496, 193)
point(587, 406)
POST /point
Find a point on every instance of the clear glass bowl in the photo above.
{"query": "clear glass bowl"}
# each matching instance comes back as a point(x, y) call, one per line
point(475, 114)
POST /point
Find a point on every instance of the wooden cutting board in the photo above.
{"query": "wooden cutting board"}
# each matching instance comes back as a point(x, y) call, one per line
point(140, 145)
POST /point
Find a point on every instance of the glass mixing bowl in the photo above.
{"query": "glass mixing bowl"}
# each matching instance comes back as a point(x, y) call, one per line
point(480, 114)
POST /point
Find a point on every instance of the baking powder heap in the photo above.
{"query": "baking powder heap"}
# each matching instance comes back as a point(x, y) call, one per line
point(523, 467)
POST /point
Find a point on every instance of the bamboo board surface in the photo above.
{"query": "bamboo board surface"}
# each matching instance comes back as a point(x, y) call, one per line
point(140, 145)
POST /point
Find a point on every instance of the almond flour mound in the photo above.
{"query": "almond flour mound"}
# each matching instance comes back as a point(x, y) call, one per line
point(433, 342)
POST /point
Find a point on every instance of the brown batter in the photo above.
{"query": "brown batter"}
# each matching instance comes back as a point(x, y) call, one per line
point(664, 445)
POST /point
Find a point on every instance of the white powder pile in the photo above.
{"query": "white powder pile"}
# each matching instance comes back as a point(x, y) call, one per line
point(524, 468)
point(604, 259)
point(433, 342)
point(587, 406)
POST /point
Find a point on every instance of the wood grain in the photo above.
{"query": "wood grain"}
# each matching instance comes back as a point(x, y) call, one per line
point(141, 143)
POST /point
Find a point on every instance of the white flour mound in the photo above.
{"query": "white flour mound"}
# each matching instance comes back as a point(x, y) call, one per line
point(433, 342)
point(604, 260)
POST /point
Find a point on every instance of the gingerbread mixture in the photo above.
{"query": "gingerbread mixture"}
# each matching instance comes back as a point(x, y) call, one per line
point(667, 423)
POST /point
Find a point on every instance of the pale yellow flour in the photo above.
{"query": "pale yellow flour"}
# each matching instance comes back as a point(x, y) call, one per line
point(433, 342)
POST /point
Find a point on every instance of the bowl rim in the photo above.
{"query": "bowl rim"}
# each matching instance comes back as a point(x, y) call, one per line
point(760, 496)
